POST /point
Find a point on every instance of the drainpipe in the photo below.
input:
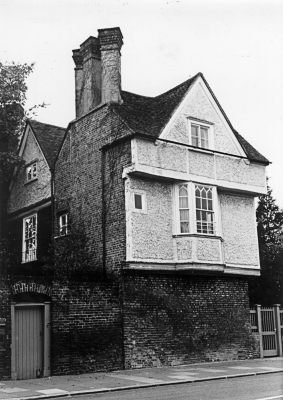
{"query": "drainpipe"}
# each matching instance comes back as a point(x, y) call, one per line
point(52, 201)
point(103, 215)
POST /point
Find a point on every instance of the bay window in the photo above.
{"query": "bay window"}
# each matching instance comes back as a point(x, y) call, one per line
point(196, 209)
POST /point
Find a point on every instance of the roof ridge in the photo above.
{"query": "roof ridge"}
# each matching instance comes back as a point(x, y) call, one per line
point(43, 123)
point(140, 95)
point(181, 84)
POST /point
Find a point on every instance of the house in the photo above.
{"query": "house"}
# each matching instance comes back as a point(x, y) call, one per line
point(30, 219)
point(164, 189)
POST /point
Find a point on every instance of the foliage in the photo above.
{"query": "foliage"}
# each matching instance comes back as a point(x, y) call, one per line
point(7, 256)
point(69, 258)
point(12, 116)
point(268, 288)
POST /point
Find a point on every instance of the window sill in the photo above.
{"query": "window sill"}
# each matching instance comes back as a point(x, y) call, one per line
point(61, 236)
point(28, 262)
point(199, 235)
point(32, 180)
point(202, 150)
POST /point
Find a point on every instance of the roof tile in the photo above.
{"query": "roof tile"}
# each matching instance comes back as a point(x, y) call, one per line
point(50, 138)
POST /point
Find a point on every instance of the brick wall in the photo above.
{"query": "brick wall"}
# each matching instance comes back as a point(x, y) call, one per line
point(86, 329)
point(170, 320)
point(5, 318)
point(86, 326)
point(115, 213)
point(78, 181)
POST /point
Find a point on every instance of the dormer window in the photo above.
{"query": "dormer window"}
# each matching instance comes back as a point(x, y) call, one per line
point(31, 172)
point(201, 133)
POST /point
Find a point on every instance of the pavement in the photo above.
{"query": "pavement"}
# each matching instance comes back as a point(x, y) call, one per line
point(91, 383)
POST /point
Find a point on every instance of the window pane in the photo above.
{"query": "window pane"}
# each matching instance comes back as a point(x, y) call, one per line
point(185, 228)
point(183, 191)
point(184, 215)
point(198, 202)
point(138, 201)
point(195, 135)
point(34, 170)
point(204, 204)
point(183, 202)
point(29, 173)
point(194, 130)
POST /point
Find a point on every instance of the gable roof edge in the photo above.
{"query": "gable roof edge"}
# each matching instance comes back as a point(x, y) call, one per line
point(236, 134)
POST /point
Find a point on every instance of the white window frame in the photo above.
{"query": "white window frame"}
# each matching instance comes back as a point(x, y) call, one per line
point(33, 177)
point(192, 210)
point(29, 255)
point(210, 128)
point(63, 226)
point(142, 193)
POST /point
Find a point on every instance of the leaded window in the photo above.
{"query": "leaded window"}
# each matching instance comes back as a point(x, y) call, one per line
point(30, 238)
point(184, 209)
point(204, 210)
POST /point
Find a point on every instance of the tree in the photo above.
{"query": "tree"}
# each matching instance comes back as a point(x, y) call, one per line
point(268, 288)
point(13, 90)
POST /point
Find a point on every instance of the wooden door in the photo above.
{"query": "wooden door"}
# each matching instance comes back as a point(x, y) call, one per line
point(29, 341)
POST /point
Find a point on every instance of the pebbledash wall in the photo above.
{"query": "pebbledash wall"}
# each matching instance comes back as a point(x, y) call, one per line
point(23, 193)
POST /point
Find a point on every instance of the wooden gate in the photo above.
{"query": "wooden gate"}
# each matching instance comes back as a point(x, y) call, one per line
point(269, 341)
point(268, 323)
point(29, 341)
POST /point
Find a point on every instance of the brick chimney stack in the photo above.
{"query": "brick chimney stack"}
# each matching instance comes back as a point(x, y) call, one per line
point(87, 76)
point(98, 70)
point(111, 41)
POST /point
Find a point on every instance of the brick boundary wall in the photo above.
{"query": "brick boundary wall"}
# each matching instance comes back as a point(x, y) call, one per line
point(86, 329)
point(86, 325)
point(171, 320)
point(5, 317)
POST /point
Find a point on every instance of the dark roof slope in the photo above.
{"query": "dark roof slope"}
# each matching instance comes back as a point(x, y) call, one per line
point(50, 138)
point(149, 115)
point(250, 151)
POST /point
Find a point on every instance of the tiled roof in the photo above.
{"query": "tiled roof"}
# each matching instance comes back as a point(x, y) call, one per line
point(149, 115)
point(50, 138)
point(250, 151)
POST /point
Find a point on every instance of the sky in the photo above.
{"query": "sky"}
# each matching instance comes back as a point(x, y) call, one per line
point(236, 44)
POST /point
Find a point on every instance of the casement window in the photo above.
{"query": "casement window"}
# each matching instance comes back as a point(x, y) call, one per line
point(196, 209)
point(201, 134)
point(63, 224)
point(31, 172)
point(29, 238)
point(139, 201)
